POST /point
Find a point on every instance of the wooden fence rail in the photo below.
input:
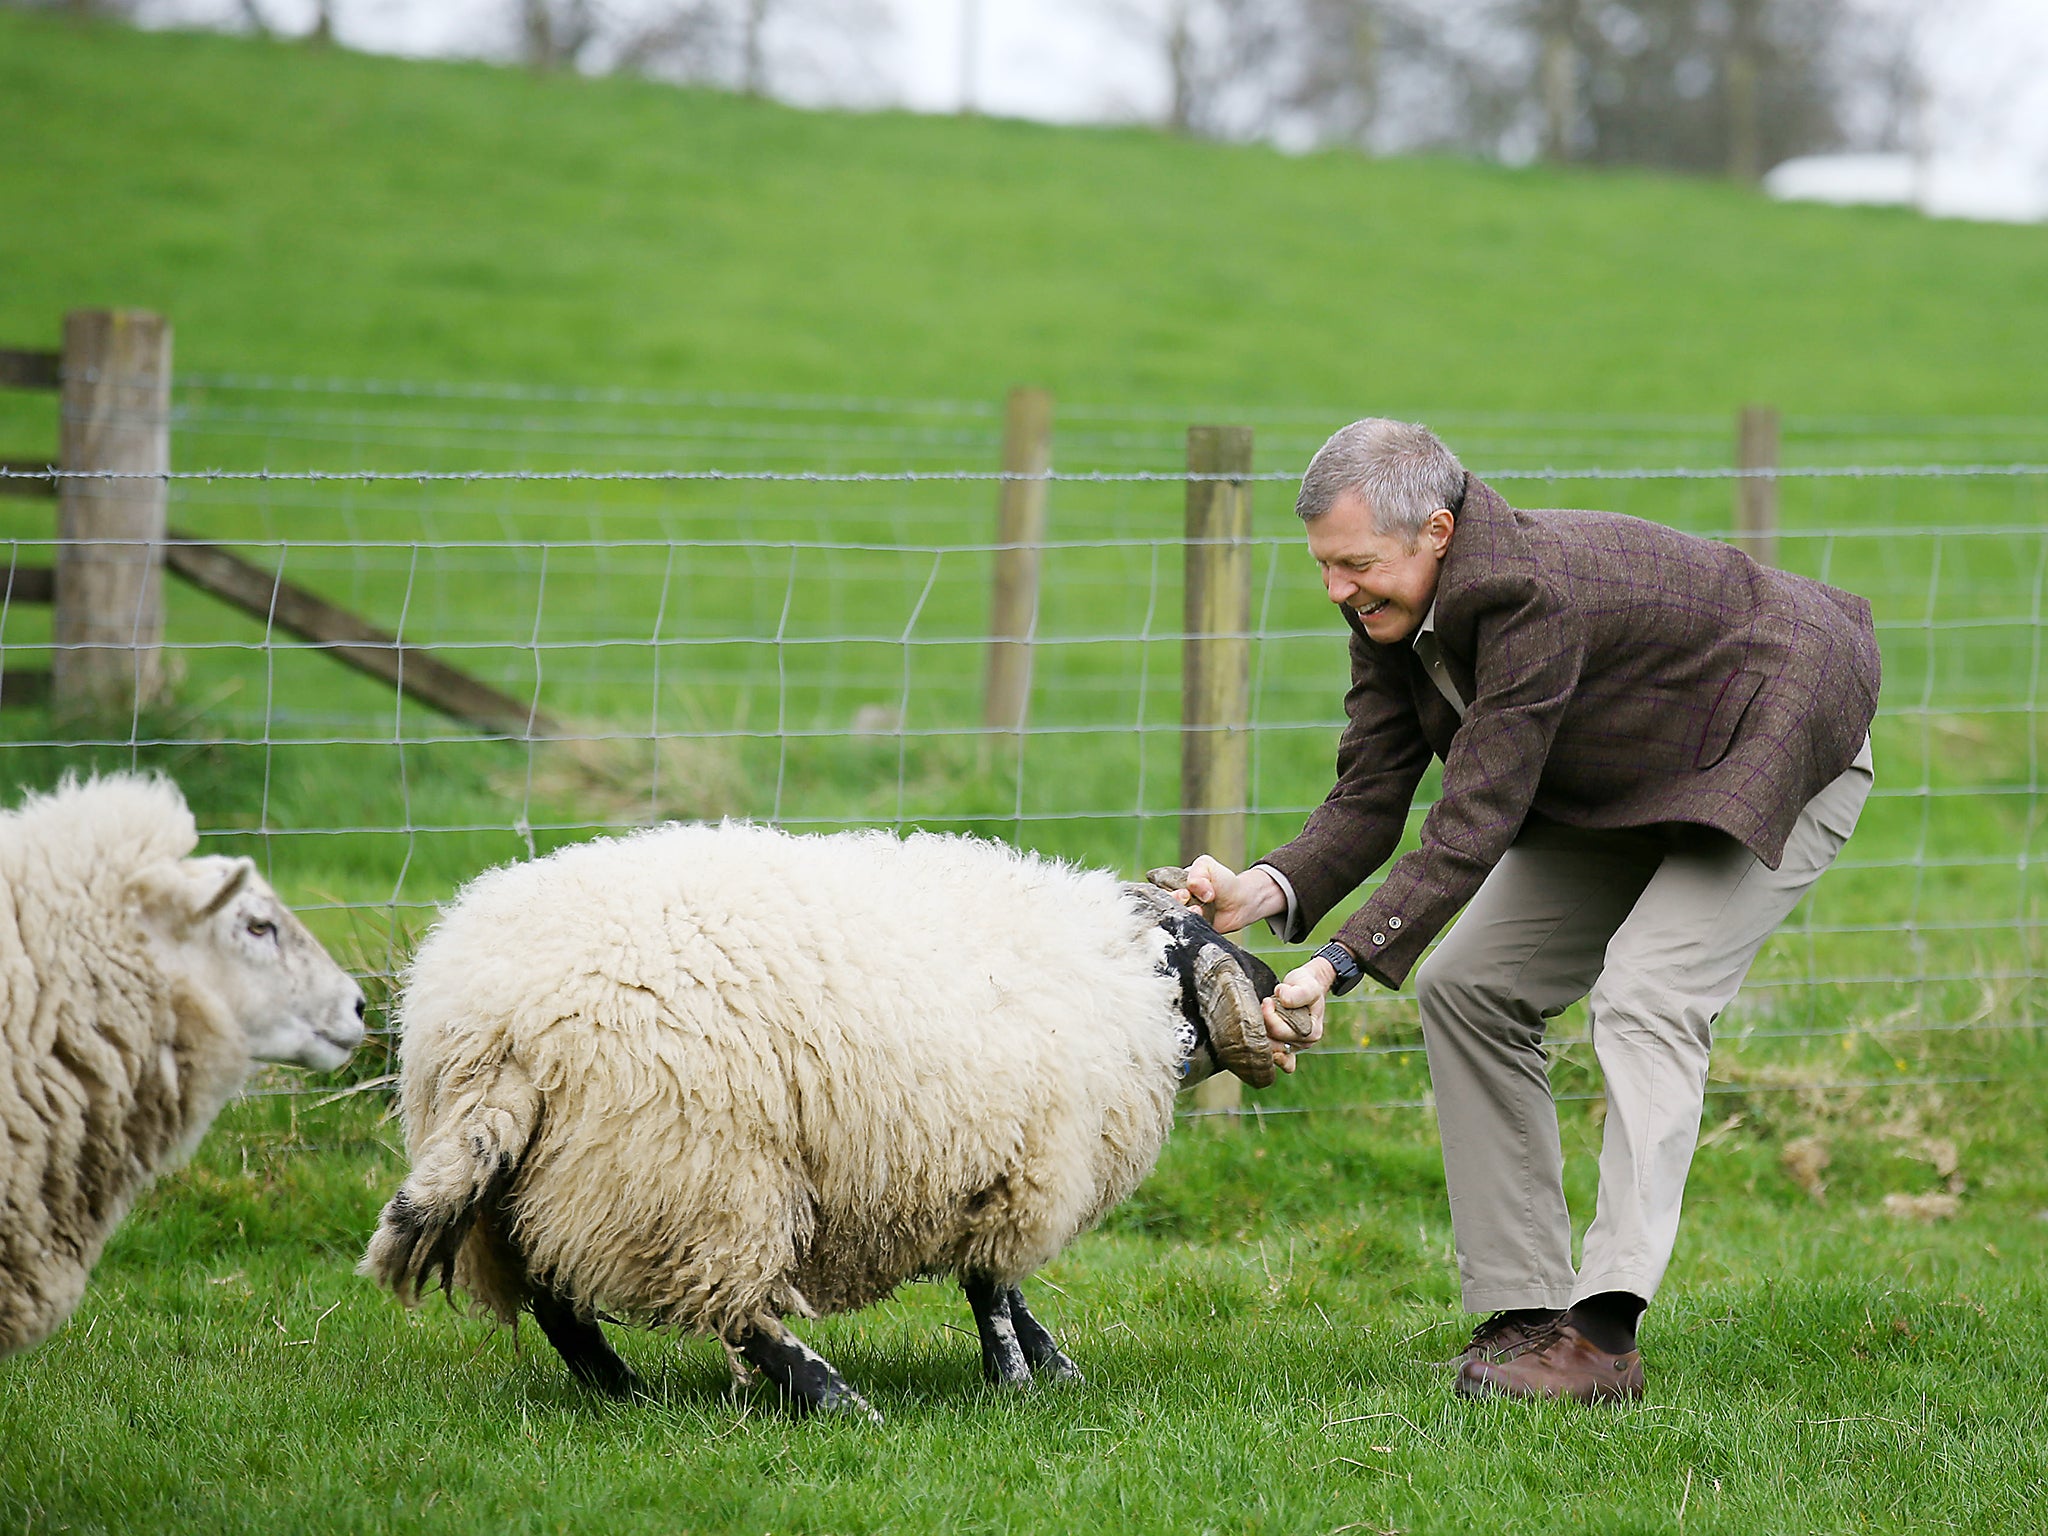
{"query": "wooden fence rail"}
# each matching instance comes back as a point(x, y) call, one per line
point(113, 544)
point(414, 671)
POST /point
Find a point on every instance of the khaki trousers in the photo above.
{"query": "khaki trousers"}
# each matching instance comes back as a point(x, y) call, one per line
point(1660, 925)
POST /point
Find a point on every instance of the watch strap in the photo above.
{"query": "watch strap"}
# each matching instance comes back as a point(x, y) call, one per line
point(1349, 972)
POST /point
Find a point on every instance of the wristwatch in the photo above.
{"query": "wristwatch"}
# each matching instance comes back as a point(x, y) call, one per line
point(1345, 964)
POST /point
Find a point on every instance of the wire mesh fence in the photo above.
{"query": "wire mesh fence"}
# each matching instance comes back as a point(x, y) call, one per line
point(777, 607)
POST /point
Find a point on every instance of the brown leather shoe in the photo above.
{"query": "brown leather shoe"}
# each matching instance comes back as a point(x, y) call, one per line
point(1505, 1335)
point(1568, 1364)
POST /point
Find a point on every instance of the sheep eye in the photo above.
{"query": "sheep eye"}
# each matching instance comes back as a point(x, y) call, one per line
point(263, 928)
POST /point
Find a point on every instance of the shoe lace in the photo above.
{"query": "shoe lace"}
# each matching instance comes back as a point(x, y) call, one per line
point(1492, 1328)
point(1537, 1331)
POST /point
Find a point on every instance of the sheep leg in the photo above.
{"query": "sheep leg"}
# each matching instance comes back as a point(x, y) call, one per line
point(1041, 1350)
point(1003, 1359)
point(805, 1377)
point(582, 1345)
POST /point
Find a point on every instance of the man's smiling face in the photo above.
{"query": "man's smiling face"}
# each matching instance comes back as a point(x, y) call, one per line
point(1387, 582)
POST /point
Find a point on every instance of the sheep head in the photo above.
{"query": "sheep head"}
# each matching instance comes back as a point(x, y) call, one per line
point(1221, 986)
point(217, 925)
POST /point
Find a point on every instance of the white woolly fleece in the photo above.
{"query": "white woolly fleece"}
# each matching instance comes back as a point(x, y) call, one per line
point(745, 1073)
point(105, 1073)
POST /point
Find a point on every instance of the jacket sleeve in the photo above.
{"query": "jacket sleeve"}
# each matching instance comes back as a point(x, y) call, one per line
point(1529, 649)
point(1380, 760)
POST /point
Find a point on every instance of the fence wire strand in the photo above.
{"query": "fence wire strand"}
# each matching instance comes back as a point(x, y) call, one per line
point(832, 671)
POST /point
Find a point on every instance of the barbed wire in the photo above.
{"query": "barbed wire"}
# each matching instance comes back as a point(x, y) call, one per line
point(1257, 1111)
point(531, 544)
point(977, 476)
point(575, 394)
point(1558, 1045)
point(1702, 423)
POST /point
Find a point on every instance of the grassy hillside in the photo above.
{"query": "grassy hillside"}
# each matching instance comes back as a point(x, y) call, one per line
point(1852, 1336)
point(322, 211)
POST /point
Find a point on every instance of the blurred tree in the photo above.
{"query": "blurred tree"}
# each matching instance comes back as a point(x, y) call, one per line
point(1336, 86)
point(82, 10)
point(554, 34)
point(1885, 100)
point(1221, 59)
point(814, 49)
point(692, 43)
point(1557, 25)
point(1729, 86)
point(811, 49)
point(1702, 85)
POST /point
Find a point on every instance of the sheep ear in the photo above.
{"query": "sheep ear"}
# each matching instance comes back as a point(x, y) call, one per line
point(174, 895)
point(1230, 1007)
point(238, 876)
point(163, 895)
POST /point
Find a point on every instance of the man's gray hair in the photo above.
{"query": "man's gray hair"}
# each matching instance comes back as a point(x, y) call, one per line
point(1402, 470)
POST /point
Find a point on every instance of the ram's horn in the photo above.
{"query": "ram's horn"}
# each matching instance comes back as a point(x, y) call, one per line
point(1168, 877)
point(1230, 1007)
point(1154, 902)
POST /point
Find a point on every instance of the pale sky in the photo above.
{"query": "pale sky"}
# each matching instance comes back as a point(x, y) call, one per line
point(1073, 61)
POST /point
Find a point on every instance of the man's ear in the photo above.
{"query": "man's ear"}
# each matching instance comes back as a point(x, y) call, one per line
point(1438, 528)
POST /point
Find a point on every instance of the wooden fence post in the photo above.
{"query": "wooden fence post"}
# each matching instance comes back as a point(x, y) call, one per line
point(1756, 496)
point(1020, 533)
point(1216, 668)
point(107, 655)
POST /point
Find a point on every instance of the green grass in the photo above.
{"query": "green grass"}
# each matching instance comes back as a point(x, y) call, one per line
point(329, 213)
point(1256, 1360)
point(1257, 1321)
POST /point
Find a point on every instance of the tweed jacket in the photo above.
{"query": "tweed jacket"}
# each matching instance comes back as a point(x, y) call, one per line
point(1618, 673)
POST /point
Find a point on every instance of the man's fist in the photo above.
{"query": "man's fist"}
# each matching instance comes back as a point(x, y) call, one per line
point(1294, 1013)
point(1227, 900)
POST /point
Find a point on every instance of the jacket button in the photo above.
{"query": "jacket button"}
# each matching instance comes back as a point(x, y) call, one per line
point(1379, 938)
point(1393, 922)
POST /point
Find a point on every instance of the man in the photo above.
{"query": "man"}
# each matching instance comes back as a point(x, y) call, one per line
point(1652, 748)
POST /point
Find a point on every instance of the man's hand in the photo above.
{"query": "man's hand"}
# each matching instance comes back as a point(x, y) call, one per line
point(1227, 900)
point(1302, 988)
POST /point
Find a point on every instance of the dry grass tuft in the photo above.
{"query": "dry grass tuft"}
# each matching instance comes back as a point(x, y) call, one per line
point(1806, 1160)
point(1923, 1208)
point(630, 780)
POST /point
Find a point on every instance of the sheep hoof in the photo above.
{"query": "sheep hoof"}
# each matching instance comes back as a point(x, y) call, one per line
point(583, 1347)
point(1057, 1367)
point(846, 1403)
point(804, 1377)
point(1041, 1351)
point(1004, 1354)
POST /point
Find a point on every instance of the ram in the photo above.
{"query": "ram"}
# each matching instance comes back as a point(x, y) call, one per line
point(137, 984)
point(711, 1077)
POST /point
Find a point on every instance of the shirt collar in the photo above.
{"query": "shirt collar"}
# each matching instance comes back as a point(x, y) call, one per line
point(1426, 627)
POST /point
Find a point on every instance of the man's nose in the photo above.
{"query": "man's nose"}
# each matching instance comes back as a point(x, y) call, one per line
point(1340, 587)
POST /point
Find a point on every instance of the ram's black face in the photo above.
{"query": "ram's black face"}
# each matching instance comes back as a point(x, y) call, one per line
point(1186, 933)
point(1221, 986)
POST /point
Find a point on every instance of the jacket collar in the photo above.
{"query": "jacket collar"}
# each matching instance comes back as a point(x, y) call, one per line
point(1483, 515)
